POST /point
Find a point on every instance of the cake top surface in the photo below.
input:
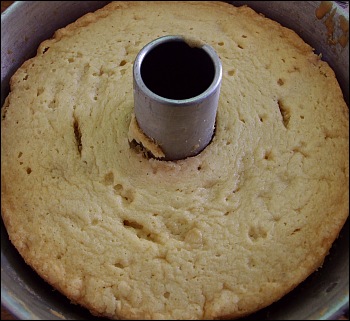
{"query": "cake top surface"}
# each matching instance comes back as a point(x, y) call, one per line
point(221, 234)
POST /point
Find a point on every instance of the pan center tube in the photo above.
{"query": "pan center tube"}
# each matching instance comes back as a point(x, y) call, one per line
point(176, 92)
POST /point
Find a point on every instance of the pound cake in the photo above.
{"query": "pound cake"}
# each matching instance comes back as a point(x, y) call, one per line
point(218, 235)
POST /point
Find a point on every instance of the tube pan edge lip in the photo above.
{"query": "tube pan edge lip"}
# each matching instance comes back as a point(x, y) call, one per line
point(176, 102)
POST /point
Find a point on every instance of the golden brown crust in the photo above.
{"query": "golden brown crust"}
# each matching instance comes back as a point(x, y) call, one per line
point(219, 235)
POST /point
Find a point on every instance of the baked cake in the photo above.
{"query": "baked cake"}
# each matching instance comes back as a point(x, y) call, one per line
point(218, 235)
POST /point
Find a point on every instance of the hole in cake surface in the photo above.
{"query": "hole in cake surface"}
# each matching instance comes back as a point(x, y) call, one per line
point(140, 149)
point(262, 117)
point(119, 265)
point(268, 155)
point(118, 187)
point(133, 224)
point(127, 195)
point(285, 113)
point(301, 150)
point(109, 178)
point(251, 263)
point(39, 91)
point(46, 49)
point(256, 233)
point(296, 231)
point(77, 135)
point(52, 104)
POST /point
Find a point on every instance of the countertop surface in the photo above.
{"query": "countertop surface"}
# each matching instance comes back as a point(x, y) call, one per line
point(6, 315)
